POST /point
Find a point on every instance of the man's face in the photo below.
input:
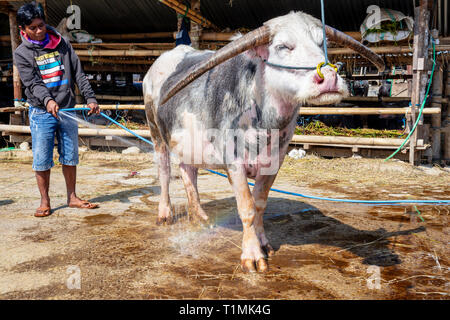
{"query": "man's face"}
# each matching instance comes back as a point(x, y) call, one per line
point(36, 30)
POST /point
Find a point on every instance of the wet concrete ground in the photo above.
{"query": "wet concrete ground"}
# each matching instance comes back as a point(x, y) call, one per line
point(324, 250)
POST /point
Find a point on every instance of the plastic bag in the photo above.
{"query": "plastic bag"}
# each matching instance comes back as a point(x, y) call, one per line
point(385, 24)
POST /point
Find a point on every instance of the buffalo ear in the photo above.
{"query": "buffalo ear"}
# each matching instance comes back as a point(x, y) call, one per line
point(259, 51)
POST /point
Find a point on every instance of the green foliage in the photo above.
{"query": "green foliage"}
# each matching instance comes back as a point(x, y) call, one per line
point(388, 26)
point(320, 129)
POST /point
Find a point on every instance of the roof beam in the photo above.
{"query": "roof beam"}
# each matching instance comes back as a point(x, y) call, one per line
point(191, 14)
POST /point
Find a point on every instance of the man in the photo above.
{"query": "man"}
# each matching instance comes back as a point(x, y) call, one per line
point(49, 68)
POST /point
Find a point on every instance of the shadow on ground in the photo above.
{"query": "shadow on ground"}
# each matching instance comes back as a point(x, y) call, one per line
point(6, 202)
point(297, 223)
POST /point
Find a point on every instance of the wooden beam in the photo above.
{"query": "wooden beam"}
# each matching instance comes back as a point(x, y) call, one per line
point(15, 41)
point(302, 111)
point(116, 68)
point(439, 100)
point(363, 111)
point(102, 60)
point(191, 14)
point(124, 46)
point(420, 71)
point(119, 53)
point(346, 140)
point(6, 128)
point(128, 36)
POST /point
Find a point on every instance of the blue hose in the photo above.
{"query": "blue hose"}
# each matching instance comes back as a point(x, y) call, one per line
point(113, 121)
point(380, 202)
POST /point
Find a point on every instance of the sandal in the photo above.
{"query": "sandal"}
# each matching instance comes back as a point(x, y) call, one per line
point(84, 205)
point(43, 212)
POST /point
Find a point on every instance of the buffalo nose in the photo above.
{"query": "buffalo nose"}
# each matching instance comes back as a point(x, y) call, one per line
point(317, 79)
point(329, 82)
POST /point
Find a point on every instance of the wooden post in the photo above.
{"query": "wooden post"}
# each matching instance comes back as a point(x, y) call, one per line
point(14, 32)
point(420, 67)
point(446, 123)
point(196, 29)
point(436, 119)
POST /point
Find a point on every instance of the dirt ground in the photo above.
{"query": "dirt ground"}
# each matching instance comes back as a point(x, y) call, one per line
point(324, 250)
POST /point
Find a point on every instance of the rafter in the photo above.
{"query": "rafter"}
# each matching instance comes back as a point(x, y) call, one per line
point(191, 14)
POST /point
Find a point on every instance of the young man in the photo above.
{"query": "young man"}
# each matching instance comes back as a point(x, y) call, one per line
point(49, 68)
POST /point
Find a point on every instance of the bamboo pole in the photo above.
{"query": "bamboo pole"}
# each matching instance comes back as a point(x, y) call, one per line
point(114, 61)
point(303, 111)
point(116, 68)
point(362, 111)
point(124, 46)
point(182, 9)
point(296, 138)
point(81, 131)
point(436, 100)
point(128, 36)
point(347, 140)
point(120, 53)
point(119, 98)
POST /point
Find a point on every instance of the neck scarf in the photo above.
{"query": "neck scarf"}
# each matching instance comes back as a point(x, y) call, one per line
point(42, 43)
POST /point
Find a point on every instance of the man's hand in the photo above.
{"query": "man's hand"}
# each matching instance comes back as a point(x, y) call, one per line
point(53, 108)
point(94, 108)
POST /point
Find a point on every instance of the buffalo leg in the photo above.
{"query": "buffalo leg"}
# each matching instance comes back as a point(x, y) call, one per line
point(162, 157)
point(252, 258)
point(164, 208)
point(189, 176)
point(260, 195)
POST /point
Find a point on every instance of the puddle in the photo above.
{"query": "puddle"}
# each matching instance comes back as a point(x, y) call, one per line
point(99, 219)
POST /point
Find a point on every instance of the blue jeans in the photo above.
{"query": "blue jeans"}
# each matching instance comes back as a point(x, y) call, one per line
point(44, 127)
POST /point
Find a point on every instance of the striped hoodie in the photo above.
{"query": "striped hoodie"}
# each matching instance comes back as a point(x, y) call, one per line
point(51, 72)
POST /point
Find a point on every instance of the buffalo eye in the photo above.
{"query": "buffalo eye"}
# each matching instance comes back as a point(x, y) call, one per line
point(282, 47)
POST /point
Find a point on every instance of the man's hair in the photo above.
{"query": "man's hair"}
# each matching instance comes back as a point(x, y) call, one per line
point(28, 12)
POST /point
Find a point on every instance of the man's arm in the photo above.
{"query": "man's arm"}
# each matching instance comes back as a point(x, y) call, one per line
point(32, 80)
point(82, 81)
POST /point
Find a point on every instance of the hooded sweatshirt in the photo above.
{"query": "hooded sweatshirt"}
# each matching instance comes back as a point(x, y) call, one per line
point(50, 72)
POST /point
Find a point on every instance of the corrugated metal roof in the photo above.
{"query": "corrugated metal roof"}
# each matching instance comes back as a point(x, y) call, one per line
point(346, 15)
point(132, 16)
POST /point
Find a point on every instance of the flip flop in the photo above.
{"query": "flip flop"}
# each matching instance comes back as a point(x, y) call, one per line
point(43, 212)
point(84, 205)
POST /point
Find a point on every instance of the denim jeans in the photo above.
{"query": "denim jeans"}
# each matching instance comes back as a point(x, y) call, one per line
point(44, 127)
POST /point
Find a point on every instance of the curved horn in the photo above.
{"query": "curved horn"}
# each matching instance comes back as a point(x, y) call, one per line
point(347, 41)
point(252, 39)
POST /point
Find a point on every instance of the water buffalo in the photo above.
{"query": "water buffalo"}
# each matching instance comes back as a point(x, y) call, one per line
point(236, 109)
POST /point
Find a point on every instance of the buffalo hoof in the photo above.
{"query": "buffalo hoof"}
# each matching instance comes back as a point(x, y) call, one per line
point(195, 217)
point(198, 215)
point(164, 220)
point(268, 250)
point(249, 265)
